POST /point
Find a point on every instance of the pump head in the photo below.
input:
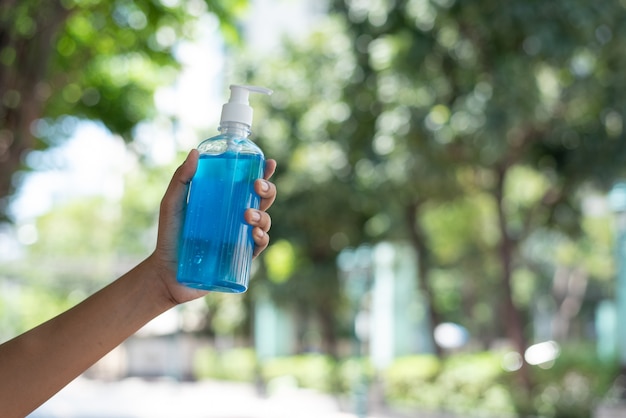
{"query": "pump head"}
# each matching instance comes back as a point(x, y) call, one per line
point(238, 109)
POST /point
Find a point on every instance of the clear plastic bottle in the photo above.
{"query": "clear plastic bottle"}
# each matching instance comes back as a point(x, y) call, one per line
point(216, 246)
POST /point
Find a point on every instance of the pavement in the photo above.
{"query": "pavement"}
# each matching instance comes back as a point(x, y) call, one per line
point(139, 398)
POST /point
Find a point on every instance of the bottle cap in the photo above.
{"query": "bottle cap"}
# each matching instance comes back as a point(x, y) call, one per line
point(238, 109)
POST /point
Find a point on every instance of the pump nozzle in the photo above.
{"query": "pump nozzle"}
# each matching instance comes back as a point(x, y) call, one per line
point(238, 109)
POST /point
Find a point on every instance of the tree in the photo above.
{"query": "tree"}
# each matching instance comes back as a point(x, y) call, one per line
point(490, 87)
point(94, 60)
point(505, 110)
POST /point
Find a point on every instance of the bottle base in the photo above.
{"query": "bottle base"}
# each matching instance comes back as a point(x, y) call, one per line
point(219, 286)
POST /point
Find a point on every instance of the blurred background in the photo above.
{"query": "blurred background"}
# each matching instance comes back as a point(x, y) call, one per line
point(450, 229)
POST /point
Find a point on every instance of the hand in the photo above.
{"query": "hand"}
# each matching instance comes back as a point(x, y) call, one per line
point(260, 219)
point(165, 256)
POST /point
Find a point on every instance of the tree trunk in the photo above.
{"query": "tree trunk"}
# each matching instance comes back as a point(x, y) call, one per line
point(23, 88)
point(329, 334)
point(420, 245)
point(511, 316)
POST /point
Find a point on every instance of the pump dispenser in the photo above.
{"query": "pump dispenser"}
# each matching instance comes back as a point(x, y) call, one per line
point(238, 109)
point(216, 246)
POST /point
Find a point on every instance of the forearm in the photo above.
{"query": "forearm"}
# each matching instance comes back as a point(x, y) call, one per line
point(37, 364)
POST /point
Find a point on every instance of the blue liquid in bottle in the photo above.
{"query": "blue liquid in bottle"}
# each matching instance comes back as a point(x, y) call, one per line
point(216, 243)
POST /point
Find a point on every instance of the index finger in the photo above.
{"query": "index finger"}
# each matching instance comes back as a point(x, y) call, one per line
point(270, 167)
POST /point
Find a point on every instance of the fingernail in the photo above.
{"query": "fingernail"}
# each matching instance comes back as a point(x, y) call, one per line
point(265, 186)
point(260, 233)
point(255, 216)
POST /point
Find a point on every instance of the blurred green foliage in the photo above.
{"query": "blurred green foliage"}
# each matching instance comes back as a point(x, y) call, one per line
point(466, 384)
point(236, 365)
point(314, 371)
point(476, 131)
point(576, 383)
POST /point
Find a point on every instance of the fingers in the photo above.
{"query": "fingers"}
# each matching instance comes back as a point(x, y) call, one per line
point(176, 190)
point(258, 218)
point(267, 191)
point(270, 167)
point(188, 168)
point(261, 240)
point(173, 204)
point(265, 188)
point(261, 222)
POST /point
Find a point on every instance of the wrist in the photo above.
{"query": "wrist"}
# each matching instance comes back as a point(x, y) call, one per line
point(160, 277)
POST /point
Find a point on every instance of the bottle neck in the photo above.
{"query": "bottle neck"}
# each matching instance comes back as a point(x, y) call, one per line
point(234, 128)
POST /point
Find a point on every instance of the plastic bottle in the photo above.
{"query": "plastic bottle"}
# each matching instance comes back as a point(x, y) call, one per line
point(216, 246)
